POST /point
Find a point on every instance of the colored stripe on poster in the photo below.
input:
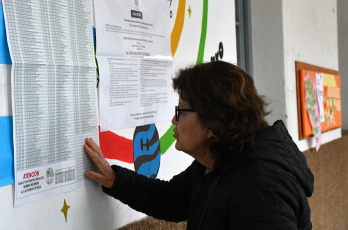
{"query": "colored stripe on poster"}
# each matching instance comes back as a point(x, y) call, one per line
point(6, 151)
point(4, 51)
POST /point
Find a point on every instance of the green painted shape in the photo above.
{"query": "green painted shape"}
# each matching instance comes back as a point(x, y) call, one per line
point(200, 55)
point(167, 139)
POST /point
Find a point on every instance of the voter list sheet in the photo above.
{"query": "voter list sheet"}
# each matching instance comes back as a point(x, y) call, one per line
point(53, 94)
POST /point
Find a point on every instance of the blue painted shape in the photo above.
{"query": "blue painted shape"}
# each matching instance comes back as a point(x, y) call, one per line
point(146, 150)
point(5, 57)
point(6, 151)
point(94, 37)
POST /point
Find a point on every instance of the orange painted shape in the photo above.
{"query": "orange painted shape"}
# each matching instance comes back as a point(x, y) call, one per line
point(178, 26)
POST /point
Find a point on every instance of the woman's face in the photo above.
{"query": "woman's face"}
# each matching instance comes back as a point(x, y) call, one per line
point(190, 134)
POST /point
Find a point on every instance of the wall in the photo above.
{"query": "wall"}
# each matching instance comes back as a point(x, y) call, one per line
point(284, 32)
point(268, 55)
point(342, 19)
point(89, 207)
point(287, 31)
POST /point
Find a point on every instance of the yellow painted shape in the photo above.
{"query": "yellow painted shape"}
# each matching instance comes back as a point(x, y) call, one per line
point(178, 26)
point(329, 80)
point(64, 210)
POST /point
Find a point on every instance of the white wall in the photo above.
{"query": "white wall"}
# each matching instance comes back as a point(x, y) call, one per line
point(307, 33)
point(90, 208)
point(342, 18)
point(268, 55)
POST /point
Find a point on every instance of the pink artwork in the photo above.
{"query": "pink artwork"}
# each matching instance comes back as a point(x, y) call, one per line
point(312, 108)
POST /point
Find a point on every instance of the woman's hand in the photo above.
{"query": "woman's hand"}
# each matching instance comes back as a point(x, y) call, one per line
point(105, 175)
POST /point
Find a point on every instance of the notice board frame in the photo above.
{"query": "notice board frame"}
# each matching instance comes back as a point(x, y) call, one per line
point(305, 66)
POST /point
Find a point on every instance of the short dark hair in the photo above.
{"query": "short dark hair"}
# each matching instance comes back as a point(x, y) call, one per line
point(226, 101)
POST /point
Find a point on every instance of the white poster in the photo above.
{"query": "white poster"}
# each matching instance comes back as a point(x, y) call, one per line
point(320, 92)
point(134, 91)
point(132, 28)
point(53, 94)
point(135, 64)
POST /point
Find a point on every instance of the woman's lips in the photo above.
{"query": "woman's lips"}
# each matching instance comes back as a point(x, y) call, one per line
point(175, 135)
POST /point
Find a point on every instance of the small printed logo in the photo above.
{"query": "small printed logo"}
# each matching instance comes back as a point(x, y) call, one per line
point(49, 176)
point(136, 14)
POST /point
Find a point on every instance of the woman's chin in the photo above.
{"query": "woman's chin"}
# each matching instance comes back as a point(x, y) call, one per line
point(177, 146)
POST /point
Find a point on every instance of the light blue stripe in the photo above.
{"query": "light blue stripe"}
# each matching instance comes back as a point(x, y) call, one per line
point(6, 151)
point(5, 57)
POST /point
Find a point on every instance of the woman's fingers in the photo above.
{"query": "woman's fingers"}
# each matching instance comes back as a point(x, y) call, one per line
point(94, 176)
point(92, 145)
point(105, 175)
point(93, 155)
point(105, 180)
point(97, 158)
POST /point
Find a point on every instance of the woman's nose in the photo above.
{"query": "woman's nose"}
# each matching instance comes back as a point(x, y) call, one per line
point(174, 121)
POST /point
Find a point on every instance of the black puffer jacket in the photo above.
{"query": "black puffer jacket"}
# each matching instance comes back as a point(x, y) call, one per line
point(264, 187)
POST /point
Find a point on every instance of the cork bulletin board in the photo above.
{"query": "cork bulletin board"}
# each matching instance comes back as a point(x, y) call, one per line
point(331, 115)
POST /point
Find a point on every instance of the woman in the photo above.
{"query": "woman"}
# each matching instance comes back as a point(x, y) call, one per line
point(246, 174)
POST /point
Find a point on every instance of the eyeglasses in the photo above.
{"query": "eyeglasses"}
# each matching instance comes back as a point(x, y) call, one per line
point(178, 112)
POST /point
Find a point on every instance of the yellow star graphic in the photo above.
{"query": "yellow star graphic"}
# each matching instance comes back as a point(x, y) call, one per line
point(65, 210)
point(189, 10)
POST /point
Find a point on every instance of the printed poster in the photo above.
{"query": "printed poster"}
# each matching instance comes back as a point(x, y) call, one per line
point(135, 64)
point(53, 84)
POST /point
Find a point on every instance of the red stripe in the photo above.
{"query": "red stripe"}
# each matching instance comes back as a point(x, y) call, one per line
point(116, 147)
